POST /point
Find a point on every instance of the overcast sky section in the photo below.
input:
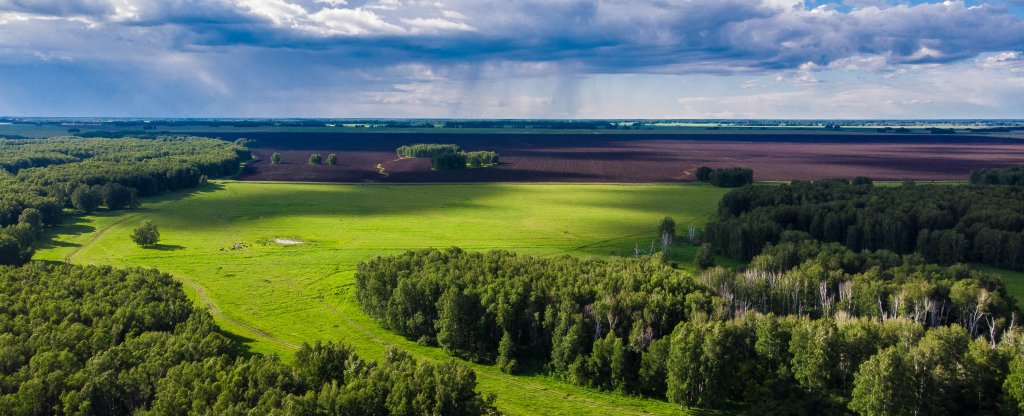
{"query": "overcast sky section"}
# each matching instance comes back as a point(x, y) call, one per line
point(512, 58)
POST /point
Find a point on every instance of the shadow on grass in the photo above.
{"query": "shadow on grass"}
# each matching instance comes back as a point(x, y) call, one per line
point(239, 343)
point(165, 247)
point(48, 243)
point(71, 226)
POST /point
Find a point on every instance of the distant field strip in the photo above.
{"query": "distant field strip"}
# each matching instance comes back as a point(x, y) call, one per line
point(275, 297)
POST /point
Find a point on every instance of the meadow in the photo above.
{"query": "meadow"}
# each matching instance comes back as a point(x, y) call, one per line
point(274, 262)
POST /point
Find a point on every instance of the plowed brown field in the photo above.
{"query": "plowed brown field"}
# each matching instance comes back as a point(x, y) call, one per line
point(611, 157)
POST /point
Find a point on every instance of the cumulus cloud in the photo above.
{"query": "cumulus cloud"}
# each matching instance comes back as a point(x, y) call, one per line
point(1007, 60)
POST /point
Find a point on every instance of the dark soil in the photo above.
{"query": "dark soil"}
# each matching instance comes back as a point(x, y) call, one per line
point(635, 157)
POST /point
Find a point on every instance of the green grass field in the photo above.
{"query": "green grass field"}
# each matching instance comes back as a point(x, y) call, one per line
point(274, 297)
point(1014, 280)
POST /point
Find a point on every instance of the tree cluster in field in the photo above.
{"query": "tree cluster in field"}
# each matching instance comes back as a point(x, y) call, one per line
point(314, 159)
point(945, 224)
point(47, 175)
point(1013, 175)
point(725, 177)
point(790, 333)
point(428, 150)
point(449, 156)
point(103, 341)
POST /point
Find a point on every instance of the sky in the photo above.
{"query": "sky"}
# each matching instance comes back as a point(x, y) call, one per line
point(801, 59)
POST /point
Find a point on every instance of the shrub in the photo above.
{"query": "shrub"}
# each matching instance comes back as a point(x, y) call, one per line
point(668, 225)
point(705, 257)
point(275, 158)
point(146, 234)
point(315, 159)
point(332, 159)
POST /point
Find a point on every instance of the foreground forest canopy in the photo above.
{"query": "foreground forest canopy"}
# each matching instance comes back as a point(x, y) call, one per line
point(104, 341)
point(40, 178)
point(941, 223)
point(809, 328)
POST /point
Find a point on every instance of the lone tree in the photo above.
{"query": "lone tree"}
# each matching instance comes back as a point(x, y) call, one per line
point(146, 234)
point(332, 159)
point(275, 158)
point(315, 159)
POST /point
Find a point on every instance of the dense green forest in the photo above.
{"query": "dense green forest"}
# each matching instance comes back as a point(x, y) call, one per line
point(943, 224)
point(40, 178)
point(104, 341)
point(790, 334)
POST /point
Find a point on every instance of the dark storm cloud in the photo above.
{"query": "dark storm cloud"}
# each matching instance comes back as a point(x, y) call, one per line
point(602, 36)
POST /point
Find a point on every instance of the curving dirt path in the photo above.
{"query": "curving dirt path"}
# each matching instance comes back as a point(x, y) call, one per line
point(200, 291)
point(215, 311)
point(96, 236)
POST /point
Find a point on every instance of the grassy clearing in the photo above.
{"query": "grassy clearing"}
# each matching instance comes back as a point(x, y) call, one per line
point(274, 296)
point(1014, 280)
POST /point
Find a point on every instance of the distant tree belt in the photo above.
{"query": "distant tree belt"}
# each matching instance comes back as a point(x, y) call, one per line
point(944, 224)
point(103, 341)
point(787, 336)
point(532, 124)
point(1001, 176)
point(725, 177)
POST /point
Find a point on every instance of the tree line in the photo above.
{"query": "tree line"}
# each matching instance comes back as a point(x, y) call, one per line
point(725, 177)
point(105, 341)
point(1013, 175)
point(945, 224)
point(788, 335)
point(42, 177)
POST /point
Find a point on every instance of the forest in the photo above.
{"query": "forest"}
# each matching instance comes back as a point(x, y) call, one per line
point(1013, 175)
point(40, 178)
point(943, 224)
point(105, 341)
point(809, 328)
